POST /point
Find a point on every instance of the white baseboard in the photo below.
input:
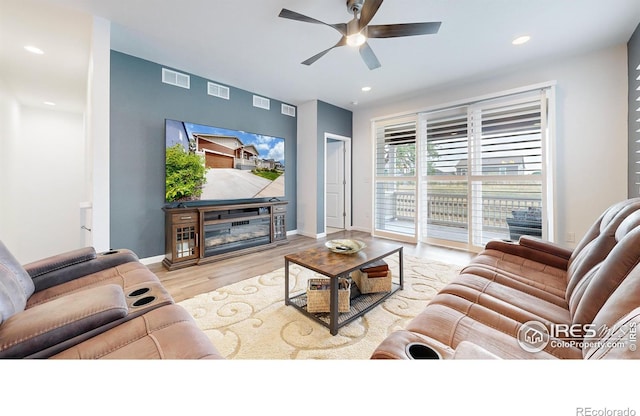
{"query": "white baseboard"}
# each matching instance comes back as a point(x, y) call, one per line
point(310, 235)
point(152, 260)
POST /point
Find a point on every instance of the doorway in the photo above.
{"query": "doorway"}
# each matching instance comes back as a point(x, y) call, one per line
point(337, 183)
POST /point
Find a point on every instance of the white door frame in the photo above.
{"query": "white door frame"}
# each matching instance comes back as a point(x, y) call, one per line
point(347, 178)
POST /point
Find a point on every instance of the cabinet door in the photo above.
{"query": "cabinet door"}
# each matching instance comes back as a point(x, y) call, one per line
point(185, 241)
point(279, 225)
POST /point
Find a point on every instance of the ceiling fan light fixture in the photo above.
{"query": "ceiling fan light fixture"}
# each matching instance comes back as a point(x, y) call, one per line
point(357, 39)
point(356, 32)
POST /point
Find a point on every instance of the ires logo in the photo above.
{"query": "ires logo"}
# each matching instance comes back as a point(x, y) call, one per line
point(575, 331)
point(534, 336)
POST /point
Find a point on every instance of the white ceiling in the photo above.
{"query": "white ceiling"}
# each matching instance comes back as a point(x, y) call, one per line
point(246, 45)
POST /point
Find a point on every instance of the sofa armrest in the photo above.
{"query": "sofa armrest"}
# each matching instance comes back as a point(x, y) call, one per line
point(467, 350)
point(60, 261)
point(534, 249)
point(546, 246)
point(72, 265)
point(60, 320)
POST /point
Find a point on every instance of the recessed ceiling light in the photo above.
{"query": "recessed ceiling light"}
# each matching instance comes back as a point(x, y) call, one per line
point(51, 103)
point(520, 40)
point(35, 50)
point(366, 89)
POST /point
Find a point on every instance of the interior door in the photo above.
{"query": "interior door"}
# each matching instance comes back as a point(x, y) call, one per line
point(335, 184)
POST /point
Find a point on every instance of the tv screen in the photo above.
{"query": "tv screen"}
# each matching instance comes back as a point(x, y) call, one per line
point(206, 163)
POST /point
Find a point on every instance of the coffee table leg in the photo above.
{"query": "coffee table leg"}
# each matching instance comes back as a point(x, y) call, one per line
point(333, 306)
point(286, 282)
point(401, 265)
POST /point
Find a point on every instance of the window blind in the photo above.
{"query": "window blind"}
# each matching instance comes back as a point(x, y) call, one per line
point(636, 132)
point(395, 207)
point(482, 170)
point(506, 168)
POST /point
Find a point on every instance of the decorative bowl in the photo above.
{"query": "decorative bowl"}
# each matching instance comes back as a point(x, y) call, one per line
point(345, 246)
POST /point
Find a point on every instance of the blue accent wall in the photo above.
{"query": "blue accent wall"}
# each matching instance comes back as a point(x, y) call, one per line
point(140, 103)
point(335, 120)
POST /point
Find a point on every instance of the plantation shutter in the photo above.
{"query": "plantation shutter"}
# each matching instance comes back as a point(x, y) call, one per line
point(484, 171)
point(444, 184)
point(395, 210)
point(634, 121)
point(506, 167)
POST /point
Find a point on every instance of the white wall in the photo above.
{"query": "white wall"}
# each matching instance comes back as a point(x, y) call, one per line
point(307, 186)
point(591, 132)
point(9, 125)
point(97, 163)
point(44, 168)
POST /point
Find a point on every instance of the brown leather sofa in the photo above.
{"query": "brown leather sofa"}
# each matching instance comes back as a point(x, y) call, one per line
point(83, 304)
point(533, 299)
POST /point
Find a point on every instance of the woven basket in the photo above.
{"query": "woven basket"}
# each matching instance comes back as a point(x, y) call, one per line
point(368, 284)
point(318, 300)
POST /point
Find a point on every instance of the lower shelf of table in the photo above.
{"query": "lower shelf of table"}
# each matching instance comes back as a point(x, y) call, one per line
point(359, 305)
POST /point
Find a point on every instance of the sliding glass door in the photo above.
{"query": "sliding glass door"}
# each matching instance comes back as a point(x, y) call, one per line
point(468, 174)
point(485, 171)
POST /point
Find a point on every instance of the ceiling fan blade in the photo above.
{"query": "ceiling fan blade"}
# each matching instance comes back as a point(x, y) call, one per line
point(368, 56)
point(403, 29)
point(341, 42)
point(288, 14)
point(369, 9)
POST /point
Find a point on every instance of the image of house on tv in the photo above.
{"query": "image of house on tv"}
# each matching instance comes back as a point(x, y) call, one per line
point(225, 152)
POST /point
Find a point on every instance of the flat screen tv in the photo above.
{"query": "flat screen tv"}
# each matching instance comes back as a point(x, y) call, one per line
point(206, 163)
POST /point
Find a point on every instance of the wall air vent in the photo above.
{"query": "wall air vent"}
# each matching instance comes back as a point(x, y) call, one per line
point(216, 90)
point(261, 102)
point(288, 110)
point(176, 78)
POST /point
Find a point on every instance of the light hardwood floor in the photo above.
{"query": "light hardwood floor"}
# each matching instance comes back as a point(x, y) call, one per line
point(188, 282)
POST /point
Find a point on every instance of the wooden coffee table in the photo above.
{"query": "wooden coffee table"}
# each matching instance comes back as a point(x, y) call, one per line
point(337, 265)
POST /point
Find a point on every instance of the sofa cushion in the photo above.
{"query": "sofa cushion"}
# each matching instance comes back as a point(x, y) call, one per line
point(593, 290)
point(126, 275)
point(60, 320)
point(597, 244)
point(16, 285)
point(516, 304)
point(450, 320)
point(168, 332)
point(620, 341)
point(521, 270)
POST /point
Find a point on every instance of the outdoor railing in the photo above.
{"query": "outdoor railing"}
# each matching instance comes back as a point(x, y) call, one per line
point(452, 209)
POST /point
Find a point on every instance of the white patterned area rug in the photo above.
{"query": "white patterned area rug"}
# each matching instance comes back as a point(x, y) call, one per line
point(249, 320)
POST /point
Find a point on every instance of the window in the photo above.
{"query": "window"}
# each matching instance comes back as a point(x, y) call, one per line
point(634, 121)
point(395, 209)
point(462, 176)
point(444, 181)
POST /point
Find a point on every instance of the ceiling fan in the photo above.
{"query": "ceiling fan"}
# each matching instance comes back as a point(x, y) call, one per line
point(356, 32)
